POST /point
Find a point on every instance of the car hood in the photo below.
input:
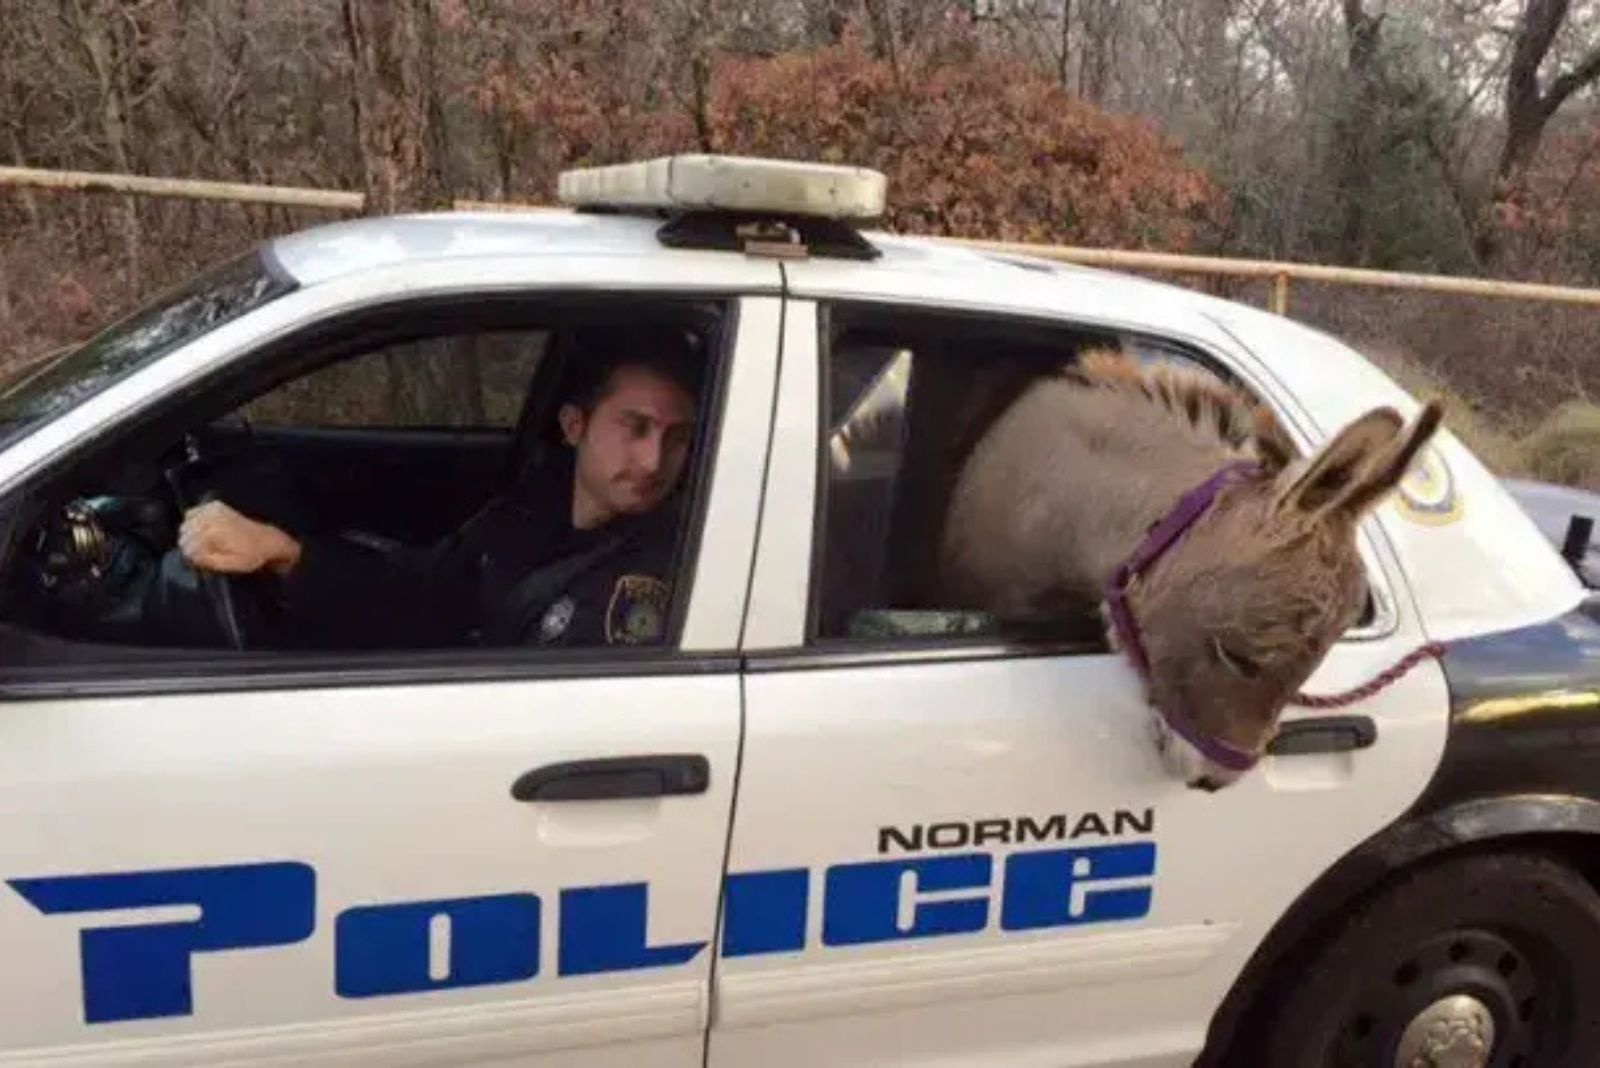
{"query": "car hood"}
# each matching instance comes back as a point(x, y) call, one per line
point(1552, 507)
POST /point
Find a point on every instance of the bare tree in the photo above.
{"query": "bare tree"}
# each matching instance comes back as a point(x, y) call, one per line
point(393, 97)
point(1358, 131)
point(1530, 104)
point(113, 36)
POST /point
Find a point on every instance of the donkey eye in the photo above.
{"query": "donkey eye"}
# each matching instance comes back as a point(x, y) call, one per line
point(1235, 662)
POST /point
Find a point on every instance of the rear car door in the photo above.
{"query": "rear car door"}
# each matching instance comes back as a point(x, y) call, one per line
point(431, 857)
point(949, 849)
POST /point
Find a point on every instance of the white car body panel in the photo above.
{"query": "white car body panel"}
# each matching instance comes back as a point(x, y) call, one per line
point(373, 788)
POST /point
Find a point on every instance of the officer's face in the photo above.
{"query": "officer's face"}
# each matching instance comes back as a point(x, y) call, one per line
point(632, 447)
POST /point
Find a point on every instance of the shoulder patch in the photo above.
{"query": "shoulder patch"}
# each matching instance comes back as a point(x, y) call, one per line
point(637, 613)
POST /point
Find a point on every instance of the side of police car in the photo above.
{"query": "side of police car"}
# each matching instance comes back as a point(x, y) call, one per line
point(814, 825)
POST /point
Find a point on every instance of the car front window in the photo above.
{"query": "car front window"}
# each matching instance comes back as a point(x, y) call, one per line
point(42, 392)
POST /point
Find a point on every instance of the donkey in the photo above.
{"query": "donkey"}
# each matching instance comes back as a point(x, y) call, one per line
point(1252, 578)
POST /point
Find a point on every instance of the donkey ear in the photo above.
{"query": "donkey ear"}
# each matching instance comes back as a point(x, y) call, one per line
point(1389, 467)
point(1340, 466)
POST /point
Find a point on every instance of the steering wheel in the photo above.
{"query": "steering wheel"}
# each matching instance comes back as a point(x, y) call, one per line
point(220, 590)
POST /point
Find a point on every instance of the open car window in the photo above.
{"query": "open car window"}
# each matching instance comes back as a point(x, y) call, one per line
point(475, 379)
point(907, 399)
point(411, 443)
point(177, 317)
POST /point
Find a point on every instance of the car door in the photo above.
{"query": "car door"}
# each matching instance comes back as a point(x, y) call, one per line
point(428, 858)
point(948, 849)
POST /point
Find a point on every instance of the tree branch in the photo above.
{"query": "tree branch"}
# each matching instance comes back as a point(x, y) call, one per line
point(1570, 82)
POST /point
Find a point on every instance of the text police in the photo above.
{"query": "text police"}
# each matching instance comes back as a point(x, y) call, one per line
point(142, 971)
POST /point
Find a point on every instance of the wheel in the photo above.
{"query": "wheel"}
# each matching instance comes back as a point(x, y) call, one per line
point(1486, 961)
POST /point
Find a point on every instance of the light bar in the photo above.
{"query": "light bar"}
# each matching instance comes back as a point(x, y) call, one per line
point(729, 183)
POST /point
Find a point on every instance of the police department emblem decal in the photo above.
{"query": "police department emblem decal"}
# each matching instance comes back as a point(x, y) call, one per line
point(638, 610)
point(1427, 493)
point(557, 618)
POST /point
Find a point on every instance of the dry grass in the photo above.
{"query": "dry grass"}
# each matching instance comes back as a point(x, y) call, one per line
point(1565, 448)
point(1561, 447)
point(1479, 430)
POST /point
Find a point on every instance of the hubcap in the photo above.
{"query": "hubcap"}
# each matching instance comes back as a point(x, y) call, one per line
point(1459, 999)
point(1453, 1032)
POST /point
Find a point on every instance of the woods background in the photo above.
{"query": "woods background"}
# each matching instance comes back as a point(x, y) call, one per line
point(1450, 136)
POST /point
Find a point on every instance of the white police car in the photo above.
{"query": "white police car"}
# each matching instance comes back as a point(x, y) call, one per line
point(811, 827)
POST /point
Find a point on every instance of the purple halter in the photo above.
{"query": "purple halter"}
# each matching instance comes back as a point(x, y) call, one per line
point(1190, 507)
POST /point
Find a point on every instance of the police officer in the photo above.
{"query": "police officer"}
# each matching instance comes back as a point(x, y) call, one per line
point(580, 553)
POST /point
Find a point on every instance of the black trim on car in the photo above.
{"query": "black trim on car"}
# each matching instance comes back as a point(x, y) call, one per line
point(1521, 763)
point(185, 672)
point(838, 653)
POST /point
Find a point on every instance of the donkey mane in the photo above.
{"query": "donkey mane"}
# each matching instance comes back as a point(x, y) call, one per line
point(1208, 403)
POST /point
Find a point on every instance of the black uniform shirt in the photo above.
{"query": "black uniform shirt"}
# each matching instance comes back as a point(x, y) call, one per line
point(517, 572)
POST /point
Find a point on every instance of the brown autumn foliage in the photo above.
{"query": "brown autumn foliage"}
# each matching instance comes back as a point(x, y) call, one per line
point(1112, 124)
point(972, 145)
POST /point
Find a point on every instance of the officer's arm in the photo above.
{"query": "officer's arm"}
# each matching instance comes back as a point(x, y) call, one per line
point(342, 592)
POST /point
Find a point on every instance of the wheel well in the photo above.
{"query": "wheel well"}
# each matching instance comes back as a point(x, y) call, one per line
point(1234, 1037)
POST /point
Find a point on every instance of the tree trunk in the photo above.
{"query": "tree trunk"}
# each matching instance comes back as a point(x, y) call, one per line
point(390, 53)
point(94, 28)
point(1529, 108)
point(1100, 31)
point(396, 108)
point(1064, 59)
point(5, 296)
point(883, 36)
point(1358, 130)
point(826, 21)
point(700, 87)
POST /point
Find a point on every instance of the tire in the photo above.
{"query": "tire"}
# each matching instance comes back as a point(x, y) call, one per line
point(1518, 933)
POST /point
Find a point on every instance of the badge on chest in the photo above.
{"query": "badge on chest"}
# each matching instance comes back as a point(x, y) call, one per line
point(638, 610)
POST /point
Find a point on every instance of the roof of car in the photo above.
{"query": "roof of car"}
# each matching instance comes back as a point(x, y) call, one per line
point(335, 249)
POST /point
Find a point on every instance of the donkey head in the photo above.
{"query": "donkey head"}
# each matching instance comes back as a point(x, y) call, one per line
point(1241, 611)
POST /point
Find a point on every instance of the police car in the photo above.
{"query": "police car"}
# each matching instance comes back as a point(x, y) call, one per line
point(820, 823)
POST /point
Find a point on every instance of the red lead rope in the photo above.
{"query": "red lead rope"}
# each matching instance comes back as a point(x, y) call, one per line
point(1375, 686)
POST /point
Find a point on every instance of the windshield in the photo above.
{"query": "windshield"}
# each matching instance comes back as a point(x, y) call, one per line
point(43, 391)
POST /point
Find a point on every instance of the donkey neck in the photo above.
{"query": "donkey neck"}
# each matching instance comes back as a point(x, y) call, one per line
point(1154, 456)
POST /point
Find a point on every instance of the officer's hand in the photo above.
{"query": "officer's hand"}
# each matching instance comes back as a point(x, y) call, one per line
point(214, 537)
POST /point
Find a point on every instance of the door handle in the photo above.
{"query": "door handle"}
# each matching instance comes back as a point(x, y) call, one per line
point(1324, 734)
point(615, 778)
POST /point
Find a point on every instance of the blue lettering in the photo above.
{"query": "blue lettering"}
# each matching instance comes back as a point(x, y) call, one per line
point(388, 949)
point(603, 929)
point(1056, 887)
point(137, 971)
point(142, 972)
point(766, 912)
point(862, 902)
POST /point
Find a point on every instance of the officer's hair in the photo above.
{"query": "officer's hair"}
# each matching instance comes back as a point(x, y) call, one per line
point(600, 352)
